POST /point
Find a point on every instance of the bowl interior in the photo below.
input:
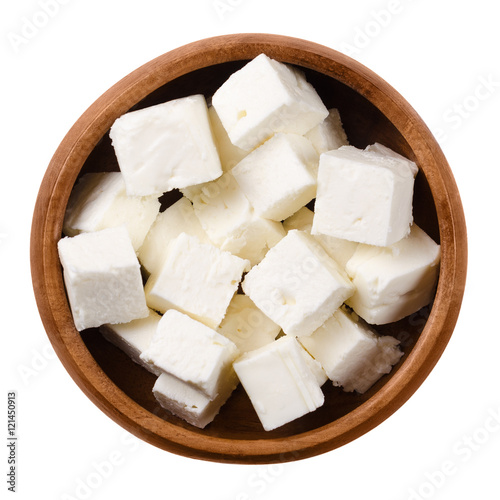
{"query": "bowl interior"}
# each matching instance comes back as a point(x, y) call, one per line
point(364, 124)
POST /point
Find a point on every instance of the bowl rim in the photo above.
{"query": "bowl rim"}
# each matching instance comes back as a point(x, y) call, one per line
point(90, 128)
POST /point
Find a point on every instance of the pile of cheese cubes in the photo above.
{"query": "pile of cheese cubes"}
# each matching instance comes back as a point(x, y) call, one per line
point(244, 283)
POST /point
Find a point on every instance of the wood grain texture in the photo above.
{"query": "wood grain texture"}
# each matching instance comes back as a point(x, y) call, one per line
point(371, 111)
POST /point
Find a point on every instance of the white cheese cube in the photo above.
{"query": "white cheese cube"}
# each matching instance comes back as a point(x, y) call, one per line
point(315, 367)
point(246, 325)
point(302, 220)
point(188, 403)
point(231, 222)
point(352, 355)
point(265, 97)
point(229, 154)
point(279, 383)
point(99, 200)
point(297, 284)
point(102, 277)
point(363, 197)
point(195, 278)
point(176, 219)
point(338, 249)
point(166, 146)
point(395, 281)
point(256, 236)
point(329, 134)
point(279, 177)
point(192, 352)
point(384, 151)
point(133, 338)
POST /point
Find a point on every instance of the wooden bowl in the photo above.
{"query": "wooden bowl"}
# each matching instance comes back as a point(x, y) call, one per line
point(372, 111)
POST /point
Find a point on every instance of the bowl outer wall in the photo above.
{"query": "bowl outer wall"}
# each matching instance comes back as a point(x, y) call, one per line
point(61, 175)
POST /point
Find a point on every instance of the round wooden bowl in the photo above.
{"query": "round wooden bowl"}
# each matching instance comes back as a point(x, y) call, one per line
point(372, 111)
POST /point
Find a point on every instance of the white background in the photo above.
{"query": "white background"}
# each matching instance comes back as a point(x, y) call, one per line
point(442, 57)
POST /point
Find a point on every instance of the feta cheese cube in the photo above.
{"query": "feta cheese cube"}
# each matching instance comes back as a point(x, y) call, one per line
point(99, 200)
point(188, 403)
point(329, 134)
point(102, 277)
point(279, 383)
point(176, 219)
point(383, 151)
point(363, 197)
point(133, 338)
point(302, 220)
point(192, 352)
point(279, 177)
point(352, 355)
point(297, 284)
point(315, 367)
point(256, 236)
point(246, 325)
point(231, 222)
point(166, 146)
point(338, 249)
point(229, 154)
point(395, 281)
point(265, 97)
point(195, 278)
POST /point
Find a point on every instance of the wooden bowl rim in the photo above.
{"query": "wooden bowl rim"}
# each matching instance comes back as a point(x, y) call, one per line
point(90, 128)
